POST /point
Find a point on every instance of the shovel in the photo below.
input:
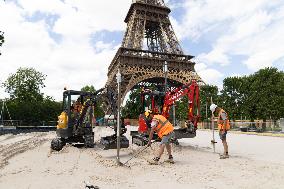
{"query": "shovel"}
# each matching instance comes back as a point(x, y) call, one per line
point(137, 153)
point(213, 142)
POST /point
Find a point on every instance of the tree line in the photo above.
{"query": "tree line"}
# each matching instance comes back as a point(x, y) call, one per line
point(28, 105)
point(1, 39)
point(256, 96)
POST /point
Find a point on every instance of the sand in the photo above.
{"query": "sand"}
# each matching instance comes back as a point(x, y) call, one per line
point(27, 162)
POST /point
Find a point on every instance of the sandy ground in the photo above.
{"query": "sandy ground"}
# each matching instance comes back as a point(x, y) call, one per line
point(256, 162)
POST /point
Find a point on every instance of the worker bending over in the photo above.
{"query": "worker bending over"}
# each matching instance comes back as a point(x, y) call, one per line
point(165, 131)
point(223, 127)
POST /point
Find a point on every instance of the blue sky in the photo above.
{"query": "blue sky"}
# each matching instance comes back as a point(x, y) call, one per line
point(74, 41)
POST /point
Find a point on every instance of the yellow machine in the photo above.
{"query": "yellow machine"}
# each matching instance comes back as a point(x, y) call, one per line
point(75, 123)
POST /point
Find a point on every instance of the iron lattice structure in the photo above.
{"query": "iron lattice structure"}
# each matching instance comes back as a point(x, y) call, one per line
point(148, 43)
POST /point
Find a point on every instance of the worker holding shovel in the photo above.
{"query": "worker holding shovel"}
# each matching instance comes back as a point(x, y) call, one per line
point(164, 129)
point(223, 127)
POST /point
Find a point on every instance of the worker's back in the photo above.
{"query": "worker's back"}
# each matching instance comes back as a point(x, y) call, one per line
point(164, 126)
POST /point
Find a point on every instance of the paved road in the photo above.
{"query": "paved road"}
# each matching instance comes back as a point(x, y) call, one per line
point(249, 146)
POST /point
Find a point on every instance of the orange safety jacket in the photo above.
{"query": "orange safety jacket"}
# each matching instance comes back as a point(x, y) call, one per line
point(164, 127)
point(223, 124)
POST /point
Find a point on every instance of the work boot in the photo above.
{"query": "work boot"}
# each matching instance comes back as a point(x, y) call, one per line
point(154, 161)
point(170, 160)
point(224, 156)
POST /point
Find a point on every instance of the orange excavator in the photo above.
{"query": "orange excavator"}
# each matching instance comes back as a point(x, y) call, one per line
point(190, 90)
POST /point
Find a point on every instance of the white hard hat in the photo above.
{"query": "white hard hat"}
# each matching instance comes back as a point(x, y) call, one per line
point(213, 107)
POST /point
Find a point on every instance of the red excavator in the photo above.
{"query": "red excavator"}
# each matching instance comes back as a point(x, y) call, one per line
point(190, 90)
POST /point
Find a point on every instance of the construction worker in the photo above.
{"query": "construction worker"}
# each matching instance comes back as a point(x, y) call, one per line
point(164, 129)
point(223, 127)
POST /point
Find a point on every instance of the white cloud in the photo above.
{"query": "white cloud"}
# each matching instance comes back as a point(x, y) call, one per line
point(72, 62)
point(100, 45)
point(251, 29)
point(210, 76)
point(200, 67)
point(215, 56)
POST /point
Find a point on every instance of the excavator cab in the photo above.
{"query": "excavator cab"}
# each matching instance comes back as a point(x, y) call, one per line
point(75, 123)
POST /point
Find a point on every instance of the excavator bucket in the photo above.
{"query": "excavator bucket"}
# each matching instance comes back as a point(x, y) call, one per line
point(110, 142)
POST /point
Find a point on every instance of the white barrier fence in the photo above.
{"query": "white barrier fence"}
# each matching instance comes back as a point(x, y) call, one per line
point(255, 126)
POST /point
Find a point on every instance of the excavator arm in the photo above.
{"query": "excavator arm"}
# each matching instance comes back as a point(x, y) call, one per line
point(192, 92)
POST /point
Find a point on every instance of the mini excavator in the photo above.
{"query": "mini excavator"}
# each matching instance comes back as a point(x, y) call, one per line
point(76, 122)
point(190, 90)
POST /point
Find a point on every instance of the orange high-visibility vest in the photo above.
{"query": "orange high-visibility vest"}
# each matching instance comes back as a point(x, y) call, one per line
point(223, 124)
point(164, 127)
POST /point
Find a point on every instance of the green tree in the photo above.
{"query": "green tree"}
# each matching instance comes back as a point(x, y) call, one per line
point(206, 93)
point(248, 108)
point(133, 107)
point(88, 88)
point(232, 96)
point(267, 93)
point(182, 108)
point(49, 109)
point(25, 85)
point(257, 96)
point(1, 39)
point(34, 112)
point(26, 102)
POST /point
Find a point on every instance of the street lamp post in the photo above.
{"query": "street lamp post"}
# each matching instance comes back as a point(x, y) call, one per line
point(166, 87)
point(174, 114)
point(166, 75)
point(2, 113)
point(206, 113)
point(213, 128)
point(118, 78)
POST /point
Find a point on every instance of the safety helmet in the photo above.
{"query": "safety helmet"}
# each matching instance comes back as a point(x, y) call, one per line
point(213, 107)
point(148, 112)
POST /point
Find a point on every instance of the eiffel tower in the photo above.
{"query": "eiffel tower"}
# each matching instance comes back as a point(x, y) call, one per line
point(148, 44)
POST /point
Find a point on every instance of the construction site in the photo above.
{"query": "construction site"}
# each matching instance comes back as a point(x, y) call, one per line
point(155, 123)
